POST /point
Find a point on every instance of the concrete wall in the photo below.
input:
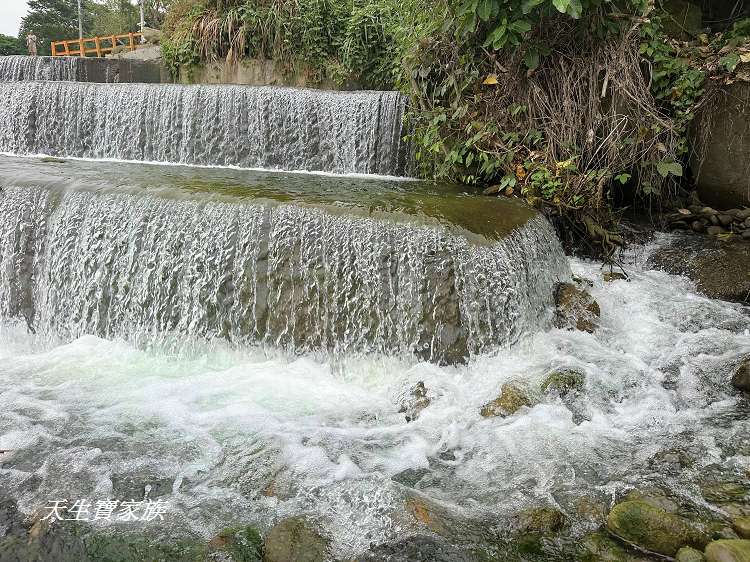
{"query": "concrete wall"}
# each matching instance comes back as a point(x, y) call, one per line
point(721, 141)
point(122, 70)
point(251, 72)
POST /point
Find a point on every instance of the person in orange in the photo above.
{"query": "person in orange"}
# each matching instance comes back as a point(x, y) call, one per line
point(31, 41)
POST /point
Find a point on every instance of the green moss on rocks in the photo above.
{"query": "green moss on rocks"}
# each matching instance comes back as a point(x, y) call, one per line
point(741, 526)
point(576, 308)
point(564, 381)
point(728, 551)
point(512, 398)
point(652, 528)
point(688, 554)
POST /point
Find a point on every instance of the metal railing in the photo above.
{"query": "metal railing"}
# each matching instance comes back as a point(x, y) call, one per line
point(101, 45)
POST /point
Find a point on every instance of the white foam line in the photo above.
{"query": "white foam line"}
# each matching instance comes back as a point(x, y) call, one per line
point(214, 167)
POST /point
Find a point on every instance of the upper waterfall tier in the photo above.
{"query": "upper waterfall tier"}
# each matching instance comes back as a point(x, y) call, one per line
point(21, 67)
point(271, 128)
point(301, 262)
point(17, 68)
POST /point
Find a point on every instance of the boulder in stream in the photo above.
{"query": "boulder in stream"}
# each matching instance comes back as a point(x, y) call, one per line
point(576, 308)
point(512, 398)
point(728, 551)
point(653, 529)
point(741, 377)
point(719, 268)
point(689, 554)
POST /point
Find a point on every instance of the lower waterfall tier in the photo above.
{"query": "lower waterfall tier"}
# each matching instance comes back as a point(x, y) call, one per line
point(299, 262)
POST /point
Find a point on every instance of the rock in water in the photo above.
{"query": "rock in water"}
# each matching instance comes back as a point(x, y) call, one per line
point(652, 528)
point(687, 554)
point(512, 398)
point(242, 545)
point(728, 551)
point(413, 404)
point(565, 381)
point(741, 526)
point(741, 377)
point(416, 549)
point(720, 269)
point(576, 308)
point(295, 540)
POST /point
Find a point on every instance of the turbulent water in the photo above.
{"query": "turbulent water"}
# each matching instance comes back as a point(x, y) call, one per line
point(118, 262)
point(267, 127)
point(234, 435)
point(18, 68)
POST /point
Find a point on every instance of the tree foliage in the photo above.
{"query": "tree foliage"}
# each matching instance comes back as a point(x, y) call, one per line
point(55, 20)
point(11, 46)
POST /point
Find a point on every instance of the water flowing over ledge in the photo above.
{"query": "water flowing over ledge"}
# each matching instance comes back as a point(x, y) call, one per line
point(259, 263)
point(267, 127)
point(20, 67)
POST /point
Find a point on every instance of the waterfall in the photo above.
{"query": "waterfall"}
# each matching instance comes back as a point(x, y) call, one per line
point(20, 67)
point(266, 127)
point(124, 263)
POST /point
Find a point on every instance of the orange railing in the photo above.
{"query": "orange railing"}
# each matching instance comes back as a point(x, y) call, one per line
point(101, 45)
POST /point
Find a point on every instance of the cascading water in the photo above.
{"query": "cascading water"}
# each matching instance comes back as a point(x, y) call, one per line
point(239, 344)
point(19, 68)
point(119, 263)
point(267, 127)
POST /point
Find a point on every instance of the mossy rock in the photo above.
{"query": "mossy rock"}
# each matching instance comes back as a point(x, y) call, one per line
point(610, 276)
point(576, 308)
point(600, 547)
point(728, 551)
point(724, 492)
point(653, 529)
point(512, 398)
point(540, 520)
point(688, 554)
point(741, 526)
point(295, 539)
point(564, 381)
point(244, 544)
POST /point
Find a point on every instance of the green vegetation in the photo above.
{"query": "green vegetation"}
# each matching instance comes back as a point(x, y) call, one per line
point(11, 46)
point(571, 104)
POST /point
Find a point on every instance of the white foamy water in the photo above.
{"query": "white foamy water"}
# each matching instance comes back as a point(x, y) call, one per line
point(239, 435)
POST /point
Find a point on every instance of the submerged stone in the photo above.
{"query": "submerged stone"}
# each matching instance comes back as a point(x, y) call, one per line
point(512, 398)
point(652, 528)
point(295, 540)
point(540, 520)
point(728, 551)
point(243, 544)
point(416, 549)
